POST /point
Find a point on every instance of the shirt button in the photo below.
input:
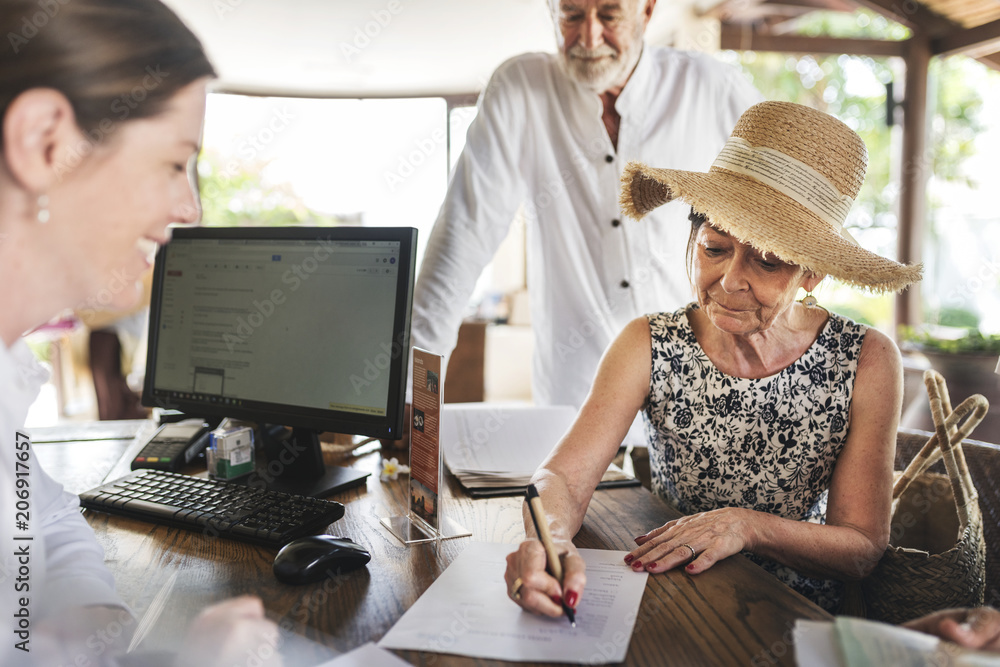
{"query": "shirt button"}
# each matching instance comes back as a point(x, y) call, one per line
point(609, 158)
point(616, 222)
point(624, 284)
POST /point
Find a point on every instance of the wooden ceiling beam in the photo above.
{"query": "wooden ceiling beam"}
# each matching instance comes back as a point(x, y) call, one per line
point(913, 15)
point(992, 61)
point(743, 37)
point(816, 5)
point(766, 13)
point(731, 9)
point(985, 37)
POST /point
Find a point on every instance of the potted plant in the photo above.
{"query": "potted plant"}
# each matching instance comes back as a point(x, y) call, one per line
point(967, 359)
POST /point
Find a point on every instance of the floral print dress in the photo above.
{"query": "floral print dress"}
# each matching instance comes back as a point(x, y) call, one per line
point(767, 444)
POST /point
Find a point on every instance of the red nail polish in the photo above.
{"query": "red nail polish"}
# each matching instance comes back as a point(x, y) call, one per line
point(637, 565)
point(689, 567)
point(556, 599)
point(629, 558)
point(572, 598)
point(650, 567)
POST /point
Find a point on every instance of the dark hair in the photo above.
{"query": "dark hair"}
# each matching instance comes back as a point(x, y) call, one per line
point(114, 60)
point(697, 220)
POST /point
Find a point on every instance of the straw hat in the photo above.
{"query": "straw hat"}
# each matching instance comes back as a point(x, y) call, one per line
point(784, 184)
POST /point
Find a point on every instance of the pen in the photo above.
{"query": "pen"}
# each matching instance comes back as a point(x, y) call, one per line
point(542, 528)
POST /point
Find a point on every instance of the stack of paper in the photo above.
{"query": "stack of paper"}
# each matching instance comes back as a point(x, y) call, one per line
point(500, 445)
point(496, 448)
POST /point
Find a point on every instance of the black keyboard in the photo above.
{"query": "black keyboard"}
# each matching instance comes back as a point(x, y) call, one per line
point(215, 508)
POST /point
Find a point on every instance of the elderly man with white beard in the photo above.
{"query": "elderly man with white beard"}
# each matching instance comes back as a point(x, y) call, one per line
point(552, 135)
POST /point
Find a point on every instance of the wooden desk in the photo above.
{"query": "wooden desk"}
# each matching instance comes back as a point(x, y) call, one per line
point(734, 614)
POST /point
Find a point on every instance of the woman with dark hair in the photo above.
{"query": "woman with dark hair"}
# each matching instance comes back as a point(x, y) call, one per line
point(771, 421)
point(102, 104)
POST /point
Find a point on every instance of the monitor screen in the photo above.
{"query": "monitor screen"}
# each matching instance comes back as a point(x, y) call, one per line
point(306, 328)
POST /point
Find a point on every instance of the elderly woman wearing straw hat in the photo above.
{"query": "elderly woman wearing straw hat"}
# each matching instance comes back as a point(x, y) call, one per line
point(771, 421)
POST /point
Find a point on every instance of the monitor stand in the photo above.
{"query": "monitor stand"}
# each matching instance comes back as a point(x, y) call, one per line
point(294, 464)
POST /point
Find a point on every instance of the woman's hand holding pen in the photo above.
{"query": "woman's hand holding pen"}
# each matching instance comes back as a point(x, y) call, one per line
point(531, 586)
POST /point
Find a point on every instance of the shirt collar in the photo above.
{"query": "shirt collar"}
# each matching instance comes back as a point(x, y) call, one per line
point(633, 102)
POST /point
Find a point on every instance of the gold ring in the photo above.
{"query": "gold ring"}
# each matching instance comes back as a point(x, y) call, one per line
point(694, 554)
point(515, 590)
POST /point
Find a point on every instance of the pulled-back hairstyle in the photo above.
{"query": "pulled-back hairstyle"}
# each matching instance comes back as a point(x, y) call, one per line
point(114, 60)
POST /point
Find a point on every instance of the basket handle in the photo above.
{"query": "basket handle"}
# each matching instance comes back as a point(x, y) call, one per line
point(977, 412)
point(954, 460)
point(976, 408)
point(930, 453)
point(942, 389)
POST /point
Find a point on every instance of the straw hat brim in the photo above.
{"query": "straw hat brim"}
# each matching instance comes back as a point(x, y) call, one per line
point(765, 219)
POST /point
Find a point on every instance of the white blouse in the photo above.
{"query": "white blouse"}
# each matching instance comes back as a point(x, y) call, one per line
point(64, 564)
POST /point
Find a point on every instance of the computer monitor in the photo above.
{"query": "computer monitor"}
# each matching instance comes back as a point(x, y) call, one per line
point(298, 329)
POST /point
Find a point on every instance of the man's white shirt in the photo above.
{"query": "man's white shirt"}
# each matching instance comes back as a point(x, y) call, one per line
point(539, 142)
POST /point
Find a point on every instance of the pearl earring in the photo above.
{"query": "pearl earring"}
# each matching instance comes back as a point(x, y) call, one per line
point(809, 301)
point(43, 209)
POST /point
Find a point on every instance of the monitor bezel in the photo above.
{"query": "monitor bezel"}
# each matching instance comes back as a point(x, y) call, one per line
point(338, 421)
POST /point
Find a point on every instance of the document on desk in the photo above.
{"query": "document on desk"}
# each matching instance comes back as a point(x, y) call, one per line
point(494, 448)
point(467, 612)
point(856, 642)
point(366, 655)
point(498, 444)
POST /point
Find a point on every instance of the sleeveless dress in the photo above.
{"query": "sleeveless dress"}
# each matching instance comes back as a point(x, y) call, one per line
point(767, 444)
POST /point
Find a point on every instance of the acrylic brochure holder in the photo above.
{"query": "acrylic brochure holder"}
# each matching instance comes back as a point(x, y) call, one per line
point(425, 521)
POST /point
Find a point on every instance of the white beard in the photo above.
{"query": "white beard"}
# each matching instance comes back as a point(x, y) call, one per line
point(602, 68)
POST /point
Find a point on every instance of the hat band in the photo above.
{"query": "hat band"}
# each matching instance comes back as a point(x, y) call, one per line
point(789, 176)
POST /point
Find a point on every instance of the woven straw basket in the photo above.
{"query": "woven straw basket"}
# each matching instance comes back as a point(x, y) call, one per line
point(936, 557)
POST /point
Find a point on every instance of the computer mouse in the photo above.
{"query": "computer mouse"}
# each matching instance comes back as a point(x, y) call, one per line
point(317, 557)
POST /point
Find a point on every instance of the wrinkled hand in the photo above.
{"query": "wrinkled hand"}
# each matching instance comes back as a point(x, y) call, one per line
point(229, 632)
point(697, 542)
point(536, 590)
point(977, 628)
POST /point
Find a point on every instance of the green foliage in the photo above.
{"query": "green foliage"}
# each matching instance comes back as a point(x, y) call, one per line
point(235, 195)
point(972, 342)
point(864, 308)
point(957, 317)
point(956, 120)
